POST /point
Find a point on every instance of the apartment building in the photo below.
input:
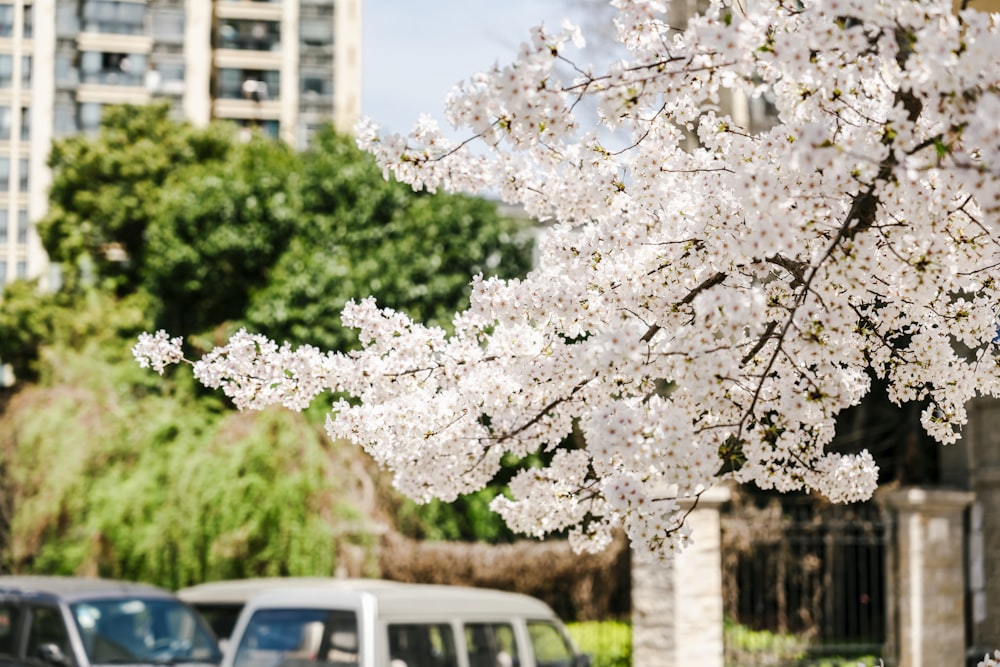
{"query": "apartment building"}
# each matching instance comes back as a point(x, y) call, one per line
point(278, 66)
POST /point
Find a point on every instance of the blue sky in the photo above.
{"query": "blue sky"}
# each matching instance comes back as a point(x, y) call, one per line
point(414, 51)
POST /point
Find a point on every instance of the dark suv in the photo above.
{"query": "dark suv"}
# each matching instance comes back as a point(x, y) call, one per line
point(83, 622)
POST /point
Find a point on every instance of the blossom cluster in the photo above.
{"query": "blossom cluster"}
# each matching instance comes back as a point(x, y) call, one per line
point(713, 288)
point(990, 660)
point(157, 351)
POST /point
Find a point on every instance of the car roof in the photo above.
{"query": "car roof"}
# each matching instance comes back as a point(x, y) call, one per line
point(396, 598)
point(76, 588)
point(238, 591)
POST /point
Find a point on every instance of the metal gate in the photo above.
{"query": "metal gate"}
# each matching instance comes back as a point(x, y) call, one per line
point(804, 582)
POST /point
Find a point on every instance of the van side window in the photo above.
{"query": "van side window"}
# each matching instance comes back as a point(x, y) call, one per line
point(491, 645)
point(48, 639)
point(299, 638)
point(421, 645)
point(549, 645)
point(8, 635)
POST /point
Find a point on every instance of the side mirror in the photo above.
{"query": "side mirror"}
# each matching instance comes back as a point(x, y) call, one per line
point(52, 654)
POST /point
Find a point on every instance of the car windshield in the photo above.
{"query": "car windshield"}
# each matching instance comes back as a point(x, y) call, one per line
point(138, 630)
point(294, 637)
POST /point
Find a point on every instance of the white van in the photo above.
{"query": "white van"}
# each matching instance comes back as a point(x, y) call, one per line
point(374, 623)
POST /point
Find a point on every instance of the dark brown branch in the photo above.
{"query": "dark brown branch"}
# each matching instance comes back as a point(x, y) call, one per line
point(761, 342)
point(795, 267)
point(541, 414)
point(707, 284)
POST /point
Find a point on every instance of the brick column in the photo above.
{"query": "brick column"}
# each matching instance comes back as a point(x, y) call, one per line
point(677, 606)
point(928, 582)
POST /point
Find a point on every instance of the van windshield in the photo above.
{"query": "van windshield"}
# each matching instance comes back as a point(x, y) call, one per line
point(288, 636)
point(137, 630)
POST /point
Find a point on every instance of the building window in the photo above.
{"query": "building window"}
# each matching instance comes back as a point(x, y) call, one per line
point(3, 272)
point(167, 77)
point(22, 226)
point(64, 120)
point(29, 21)
point(6, 20)
point(317, 85)
point(256, 85)
point(122, 69)
point(66, 74)
point(22, 175)
point(168, 25)
point(4, 174)
point(317, 32)
point(4, 226)
point(6, 70)
point(90, 116)
point(22, 269)
point(67, 21)
point(119, 18)
point(248, 35)
point(6, 122)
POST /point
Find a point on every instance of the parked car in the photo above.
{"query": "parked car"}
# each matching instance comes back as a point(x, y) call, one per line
point(85, 622)
point(374, 623)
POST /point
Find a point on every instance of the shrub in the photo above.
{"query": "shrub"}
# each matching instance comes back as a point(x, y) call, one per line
point(608, 642)
point(746, 647)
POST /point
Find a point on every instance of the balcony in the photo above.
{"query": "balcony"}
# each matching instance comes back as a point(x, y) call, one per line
point(248, 35)
point(116, 18)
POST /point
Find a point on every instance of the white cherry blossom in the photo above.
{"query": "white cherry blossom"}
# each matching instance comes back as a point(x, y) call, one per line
point(990, 660)
point(157, 351)
point(710, 292)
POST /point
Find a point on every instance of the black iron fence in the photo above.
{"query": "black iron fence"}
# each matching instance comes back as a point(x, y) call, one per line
point(804, 582)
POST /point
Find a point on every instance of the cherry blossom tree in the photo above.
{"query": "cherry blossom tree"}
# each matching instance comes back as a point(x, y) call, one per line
point(708, 296)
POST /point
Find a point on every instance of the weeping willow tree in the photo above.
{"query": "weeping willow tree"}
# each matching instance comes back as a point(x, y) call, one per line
point(173, 489)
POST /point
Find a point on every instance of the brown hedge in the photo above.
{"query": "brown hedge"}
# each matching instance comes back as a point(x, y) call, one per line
point(579, 587)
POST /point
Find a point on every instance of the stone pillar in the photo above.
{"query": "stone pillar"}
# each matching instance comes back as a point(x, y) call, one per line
point(677, 606)
point(928, 581)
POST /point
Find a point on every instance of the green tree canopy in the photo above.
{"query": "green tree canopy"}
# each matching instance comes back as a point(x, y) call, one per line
point(218, 230)
point(362, 235)
point(106, 189)
point(223, 231)
point(26, 318)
